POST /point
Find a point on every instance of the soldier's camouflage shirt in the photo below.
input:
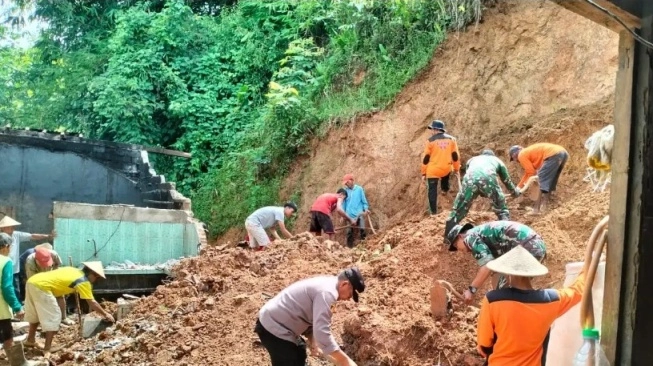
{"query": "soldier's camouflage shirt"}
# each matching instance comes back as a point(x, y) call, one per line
point(496, 238)
point(484, 166)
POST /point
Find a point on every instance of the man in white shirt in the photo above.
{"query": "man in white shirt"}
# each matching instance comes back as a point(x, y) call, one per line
point(304, 308)
point(265, 218)
point(8, 226)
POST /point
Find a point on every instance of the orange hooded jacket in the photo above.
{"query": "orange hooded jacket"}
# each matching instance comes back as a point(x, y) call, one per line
point(441, 156)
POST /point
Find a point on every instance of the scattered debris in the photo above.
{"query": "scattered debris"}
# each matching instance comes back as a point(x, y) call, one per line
point(127, 264)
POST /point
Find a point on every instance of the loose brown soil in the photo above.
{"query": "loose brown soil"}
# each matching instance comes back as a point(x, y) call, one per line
point(531, 71)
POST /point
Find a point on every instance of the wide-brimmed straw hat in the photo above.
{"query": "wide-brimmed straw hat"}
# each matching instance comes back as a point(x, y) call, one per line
point(8, 222)
point(518, 262)
point(96, 267)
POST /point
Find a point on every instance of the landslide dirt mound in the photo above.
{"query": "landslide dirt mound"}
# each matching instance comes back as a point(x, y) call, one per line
point(530, 72)
point(206, 315)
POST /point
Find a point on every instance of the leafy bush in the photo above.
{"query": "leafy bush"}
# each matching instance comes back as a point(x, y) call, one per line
point(243, 86)
point(388, 42)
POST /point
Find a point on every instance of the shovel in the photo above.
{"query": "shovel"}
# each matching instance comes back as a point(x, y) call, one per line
point(441, 305)
point(532, 185)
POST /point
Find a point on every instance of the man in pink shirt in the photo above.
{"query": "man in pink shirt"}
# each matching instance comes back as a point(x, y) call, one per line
point(321, 211)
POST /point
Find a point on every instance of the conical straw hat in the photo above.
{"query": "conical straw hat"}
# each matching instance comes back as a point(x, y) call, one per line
point(518, 262)
point(95, 267)
point(8, 222)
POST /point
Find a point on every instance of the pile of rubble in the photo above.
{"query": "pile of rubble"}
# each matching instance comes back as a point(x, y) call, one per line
point(206, 314)
point(127, 264)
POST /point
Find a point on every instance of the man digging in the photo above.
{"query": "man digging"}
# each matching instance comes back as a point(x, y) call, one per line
point(266, 218)
point(322, 209)
point(482, 179)
point(356, 207)
point(41, 305)
point(304, 308)
point(43, 259)
point(490, 241)
point(547, 161)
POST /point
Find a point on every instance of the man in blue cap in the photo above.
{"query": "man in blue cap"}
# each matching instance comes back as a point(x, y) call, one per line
point(441, 158)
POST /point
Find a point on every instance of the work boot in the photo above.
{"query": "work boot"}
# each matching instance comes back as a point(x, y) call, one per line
point(16, 355)
point(350, 237)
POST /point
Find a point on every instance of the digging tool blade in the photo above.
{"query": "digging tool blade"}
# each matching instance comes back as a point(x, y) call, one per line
point(439, 300)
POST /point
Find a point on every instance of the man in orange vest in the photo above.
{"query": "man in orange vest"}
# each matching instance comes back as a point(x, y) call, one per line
point(441, 158)
point(547, 161)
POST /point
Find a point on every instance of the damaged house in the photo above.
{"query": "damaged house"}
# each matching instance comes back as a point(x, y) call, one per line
point(105, 201)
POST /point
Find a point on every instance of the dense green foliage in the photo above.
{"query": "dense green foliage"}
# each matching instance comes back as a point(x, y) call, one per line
point(243, 86)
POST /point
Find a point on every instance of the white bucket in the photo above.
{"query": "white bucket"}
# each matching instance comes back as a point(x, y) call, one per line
point(566, 333)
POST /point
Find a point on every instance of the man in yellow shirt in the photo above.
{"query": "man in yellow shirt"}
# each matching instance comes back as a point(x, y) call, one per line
point(43, 288)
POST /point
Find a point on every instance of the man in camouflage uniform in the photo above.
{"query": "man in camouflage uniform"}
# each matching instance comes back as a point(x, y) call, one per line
point(481, 179)
point(490, 241)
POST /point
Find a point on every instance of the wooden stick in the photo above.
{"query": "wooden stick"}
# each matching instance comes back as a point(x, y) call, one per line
point(452, 289)
point(79, 308)
point(369, 219)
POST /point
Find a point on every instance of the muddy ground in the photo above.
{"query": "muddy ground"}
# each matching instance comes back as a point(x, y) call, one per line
point(530, 71)
point(206, 315)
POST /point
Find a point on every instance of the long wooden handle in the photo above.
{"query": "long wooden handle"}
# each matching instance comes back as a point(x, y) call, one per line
point(450, 287)
point(369, 219)
point(529, 182)
point(79, 308)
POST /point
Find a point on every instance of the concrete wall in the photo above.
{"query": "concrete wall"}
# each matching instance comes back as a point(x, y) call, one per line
point(33, 178)
point(120, 232)
point(39, 168)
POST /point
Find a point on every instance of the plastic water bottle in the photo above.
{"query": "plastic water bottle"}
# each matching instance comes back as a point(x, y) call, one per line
point(591, 353)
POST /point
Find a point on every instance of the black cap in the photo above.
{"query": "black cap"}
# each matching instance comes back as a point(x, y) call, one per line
point(342, 191)
point(514, 150)
point(355, 277)
point(454, 232)
point(291, 205)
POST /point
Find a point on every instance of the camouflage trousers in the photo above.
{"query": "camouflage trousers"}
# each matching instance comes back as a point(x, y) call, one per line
point(478, 185)
point(534, 246)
